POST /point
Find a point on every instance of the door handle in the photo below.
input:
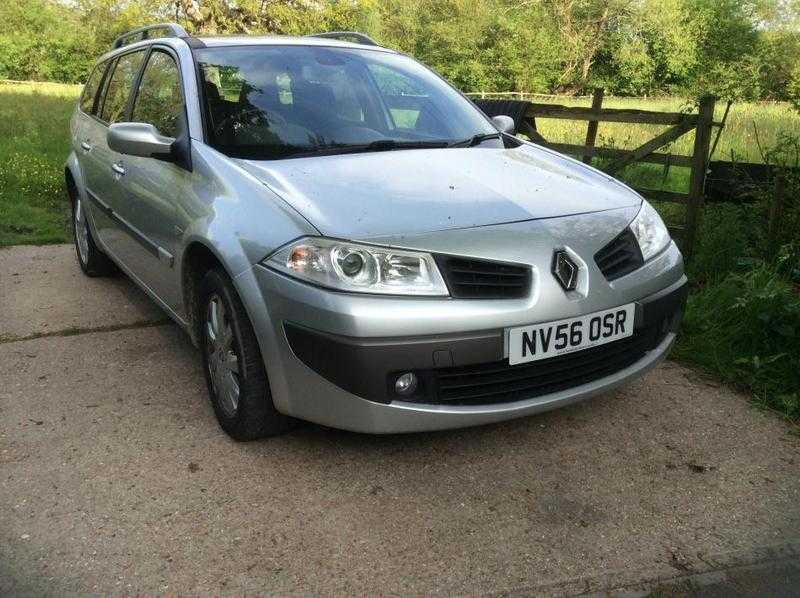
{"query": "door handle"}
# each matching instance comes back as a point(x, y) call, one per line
point(85, 146)
point(117, 168)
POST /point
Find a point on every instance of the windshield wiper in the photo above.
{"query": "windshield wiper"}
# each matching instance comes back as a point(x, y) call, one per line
point(475, 140)
point(390, 144)
point(380, 145)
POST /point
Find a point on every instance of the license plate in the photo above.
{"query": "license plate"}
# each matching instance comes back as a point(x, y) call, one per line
point(548, 339)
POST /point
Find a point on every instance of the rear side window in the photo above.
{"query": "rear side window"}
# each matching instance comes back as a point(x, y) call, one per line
point(90, 89)
point(159, 100)
point(119, 86)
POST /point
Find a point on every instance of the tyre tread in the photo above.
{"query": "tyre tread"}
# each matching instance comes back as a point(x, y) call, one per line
point(256, 417)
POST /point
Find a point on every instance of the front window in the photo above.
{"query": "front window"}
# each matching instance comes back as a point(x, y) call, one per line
point(159, 100)
point(271, 102)
point(119, 86)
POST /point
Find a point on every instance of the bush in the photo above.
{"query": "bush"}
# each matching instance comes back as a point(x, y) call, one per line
point(745, 325)
point(722, 240)
point(793, 88)
point(746, 329)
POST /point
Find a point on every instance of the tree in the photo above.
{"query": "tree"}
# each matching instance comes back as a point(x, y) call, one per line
point(793, 88)
point(585, 28)
point(734, 48)
point(728, 37)
point(39, 40)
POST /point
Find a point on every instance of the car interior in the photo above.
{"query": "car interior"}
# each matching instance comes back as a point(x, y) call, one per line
point(304, 107)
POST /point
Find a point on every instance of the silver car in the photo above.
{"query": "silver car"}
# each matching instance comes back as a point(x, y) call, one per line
point(350, 241)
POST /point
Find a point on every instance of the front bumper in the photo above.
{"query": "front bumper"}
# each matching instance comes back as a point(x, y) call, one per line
point(332, 358)
point(473, 368)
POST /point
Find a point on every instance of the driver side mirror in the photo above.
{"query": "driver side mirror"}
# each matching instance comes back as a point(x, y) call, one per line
point(140, 139)
point(504, 123)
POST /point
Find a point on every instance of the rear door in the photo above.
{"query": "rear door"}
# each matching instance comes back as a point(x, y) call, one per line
point(86, 129)
point(105, 167)
point(86, 111)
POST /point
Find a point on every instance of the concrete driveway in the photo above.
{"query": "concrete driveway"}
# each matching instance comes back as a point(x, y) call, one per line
point(115, 479)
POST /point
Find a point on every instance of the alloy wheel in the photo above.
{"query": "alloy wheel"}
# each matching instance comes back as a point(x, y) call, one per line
point(223, 361)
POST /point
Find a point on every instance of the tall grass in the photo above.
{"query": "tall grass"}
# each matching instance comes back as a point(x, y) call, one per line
point(746, 329)
point(34, 142)
point(749, 124)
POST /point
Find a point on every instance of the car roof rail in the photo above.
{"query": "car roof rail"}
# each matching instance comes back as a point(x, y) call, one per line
point(171, 29)
point(345, 36)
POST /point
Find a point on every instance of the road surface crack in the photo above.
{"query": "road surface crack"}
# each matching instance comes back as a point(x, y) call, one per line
point(75, 331)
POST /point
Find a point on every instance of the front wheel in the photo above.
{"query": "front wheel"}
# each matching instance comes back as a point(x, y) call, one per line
point(235, 375)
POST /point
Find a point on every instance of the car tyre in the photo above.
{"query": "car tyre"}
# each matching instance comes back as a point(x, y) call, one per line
point(92, 261)
point(234, 370)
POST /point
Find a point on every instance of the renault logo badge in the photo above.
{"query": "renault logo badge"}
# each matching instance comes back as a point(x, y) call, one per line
point(565, 270)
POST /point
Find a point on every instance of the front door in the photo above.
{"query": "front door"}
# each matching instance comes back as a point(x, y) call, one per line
point(149, 189)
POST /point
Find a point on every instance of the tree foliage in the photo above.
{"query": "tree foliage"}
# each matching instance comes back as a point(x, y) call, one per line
point(734, 48)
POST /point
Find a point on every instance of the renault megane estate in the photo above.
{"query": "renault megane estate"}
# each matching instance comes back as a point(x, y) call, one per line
point(350, 241)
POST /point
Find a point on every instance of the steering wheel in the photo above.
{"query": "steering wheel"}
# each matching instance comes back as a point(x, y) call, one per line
point(239, 118)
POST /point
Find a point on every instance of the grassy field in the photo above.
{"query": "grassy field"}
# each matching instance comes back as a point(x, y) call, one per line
point(750, 129)
point(748, 126)
point(34, 143)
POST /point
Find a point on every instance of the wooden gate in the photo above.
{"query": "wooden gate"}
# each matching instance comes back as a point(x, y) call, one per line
point(701, 122)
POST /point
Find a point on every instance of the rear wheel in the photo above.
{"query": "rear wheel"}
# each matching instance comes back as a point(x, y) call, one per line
point(92, 261)
point(235, 375)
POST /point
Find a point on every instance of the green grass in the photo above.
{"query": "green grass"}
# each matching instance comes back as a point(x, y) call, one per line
point(34, 143)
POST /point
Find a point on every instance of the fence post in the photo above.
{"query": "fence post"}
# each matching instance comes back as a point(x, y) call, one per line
point(591, 129)
point(702, 141)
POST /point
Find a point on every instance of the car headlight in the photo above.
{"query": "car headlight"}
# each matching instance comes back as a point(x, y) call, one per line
point(650, 231)
point(359, 268)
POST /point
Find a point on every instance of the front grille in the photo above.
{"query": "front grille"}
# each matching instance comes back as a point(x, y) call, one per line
point(480, 279)
point(500, 382)
point(620, 257)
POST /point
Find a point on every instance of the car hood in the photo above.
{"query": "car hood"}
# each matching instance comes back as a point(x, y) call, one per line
point(359, 196)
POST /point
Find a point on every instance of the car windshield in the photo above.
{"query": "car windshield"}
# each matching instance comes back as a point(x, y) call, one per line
point(269, 102)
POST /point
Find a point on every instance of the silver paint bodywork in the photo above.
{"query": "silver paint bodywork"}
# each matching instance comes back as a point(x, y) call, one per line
point(515, 205)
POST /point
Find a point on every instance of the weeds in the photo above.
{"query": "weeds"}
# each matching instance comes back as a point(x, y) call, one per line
point(743, 316)
point(746, 329)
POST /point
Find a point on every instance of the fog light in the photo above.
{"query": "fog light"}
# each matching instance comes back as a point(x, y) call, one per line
point(406, 384)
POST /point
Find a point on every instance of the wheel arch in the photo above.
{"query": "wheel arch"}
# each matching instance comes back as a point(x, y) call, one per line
point(198, 258)
point(73, 180)
point(71, 186)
